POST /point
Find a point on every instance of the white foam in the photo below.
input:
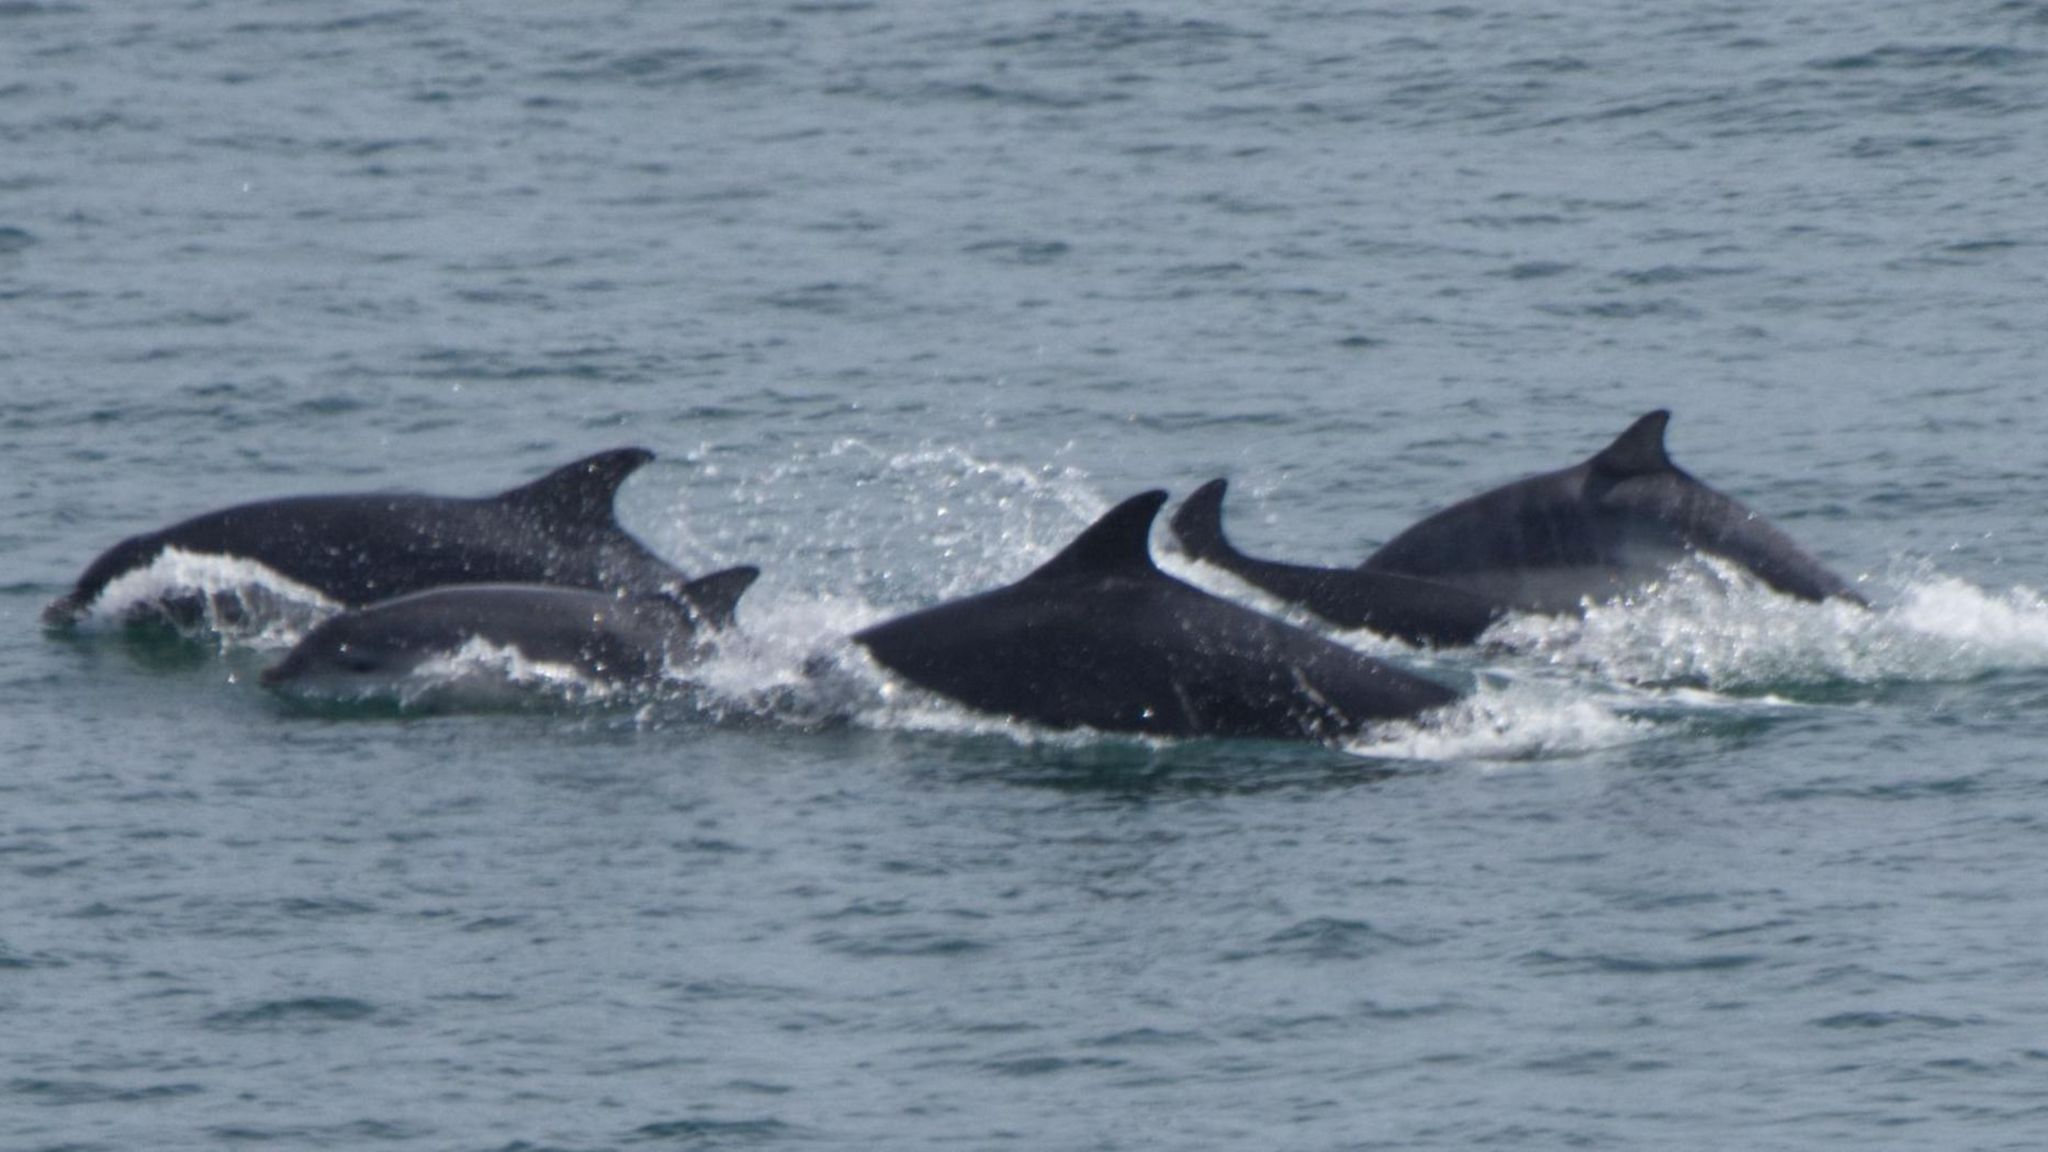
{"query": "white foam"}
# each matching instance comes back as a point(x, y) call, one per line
point(238, 599)
point(479, 660)
point(479, 674)
point(790, 660)
point(1988, 629)
point(1510, 720)
point(1712, 626)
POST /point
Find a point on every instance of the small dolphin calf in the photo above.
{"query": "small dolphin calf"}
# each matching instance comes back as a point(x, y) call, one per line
point(610, 639)
point(1100, 637)
point(1549, 543)
point(360, 548)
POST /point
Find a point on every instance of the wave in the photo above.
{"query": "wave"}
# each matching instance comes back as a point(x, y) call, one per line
point(1503, 720)
point(1713, 627)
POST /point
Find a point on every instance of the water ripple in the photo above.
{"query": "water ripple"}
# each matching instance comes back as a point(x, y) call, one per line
point(298, 1012)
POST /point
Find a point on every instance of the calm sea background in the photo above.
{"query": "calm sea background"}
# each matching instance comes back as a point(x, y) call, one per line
point(903, 294)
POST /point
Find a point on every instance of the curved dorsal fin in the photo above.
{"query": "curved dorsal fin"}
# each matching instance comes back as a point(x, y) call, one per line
point(1638, 451)
point(582, 491)
point(1198, 525)
point(1118, 544)
point(713, 598)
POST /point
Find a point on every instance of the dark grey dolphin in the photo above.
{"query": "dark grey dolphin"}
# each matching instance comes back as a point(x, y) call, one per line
point(609, 638)
point(1100, 637)
point(1407, 607)
point(360, 548)
point(1552, 542)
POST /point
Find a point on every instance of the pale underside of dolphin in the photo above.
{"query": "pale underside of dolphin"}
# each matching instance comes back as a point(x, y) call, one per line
point(1099, 637)
point(359, 548)
point(1550, 543)
point(608, 638)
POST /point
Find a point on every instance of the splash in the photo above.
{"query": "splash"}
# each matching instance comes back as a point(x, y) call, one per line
point(1712, 626)
point(486, 673)
point(1512, 720)
point(1709, 640)
point(847, 517)
point(477, 676)
point(790, 661)
point(236, 599)
point(1033, 513)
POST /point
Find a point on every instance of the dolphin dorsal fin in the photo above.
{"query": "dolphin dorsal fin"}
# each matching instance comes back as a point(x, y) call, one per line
point(581, 492)
point(1638, 451)
point(1199, 523)
point(714, 598)
point(1118, 544)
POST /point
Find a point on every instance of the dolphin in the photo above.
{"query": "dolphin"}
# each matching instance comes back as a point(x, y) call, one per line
point(609, 638)
point(1099, 637)
point(360, 548)
point(1405, 607)
point(1549, 543)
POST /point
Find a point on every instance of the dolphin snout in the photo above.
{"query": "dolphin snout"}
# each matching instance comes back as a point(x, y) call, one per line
point(63, 612)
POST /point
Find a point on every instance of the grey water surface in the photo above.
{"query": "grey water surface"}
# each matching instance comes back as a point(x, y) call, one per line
point(904, 294)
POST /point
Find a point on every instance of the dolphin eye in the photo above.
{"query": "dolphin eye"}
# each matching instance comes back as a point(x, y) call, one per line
point(356, 660)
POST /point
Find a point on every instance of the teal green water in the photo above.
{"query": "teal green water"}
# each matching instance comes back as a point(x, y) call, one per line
point(903, 296)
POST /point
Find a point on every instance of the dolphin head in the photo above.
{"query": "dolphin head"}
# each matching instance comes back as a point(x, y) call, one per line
point(341, 655)
point(130, 554)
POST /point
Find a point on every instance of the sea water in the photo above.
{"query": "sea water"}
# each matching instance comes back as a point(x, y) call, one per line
point(903, 295)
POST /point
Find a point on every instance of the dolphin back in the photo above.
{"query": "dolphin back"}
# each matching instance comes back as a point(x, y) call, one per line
point(582, 493)
point(1713, 522)
point(360, 548)
point(1407, 607)
point(609, 637)
point(1618, 520)
point(1098, 637)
